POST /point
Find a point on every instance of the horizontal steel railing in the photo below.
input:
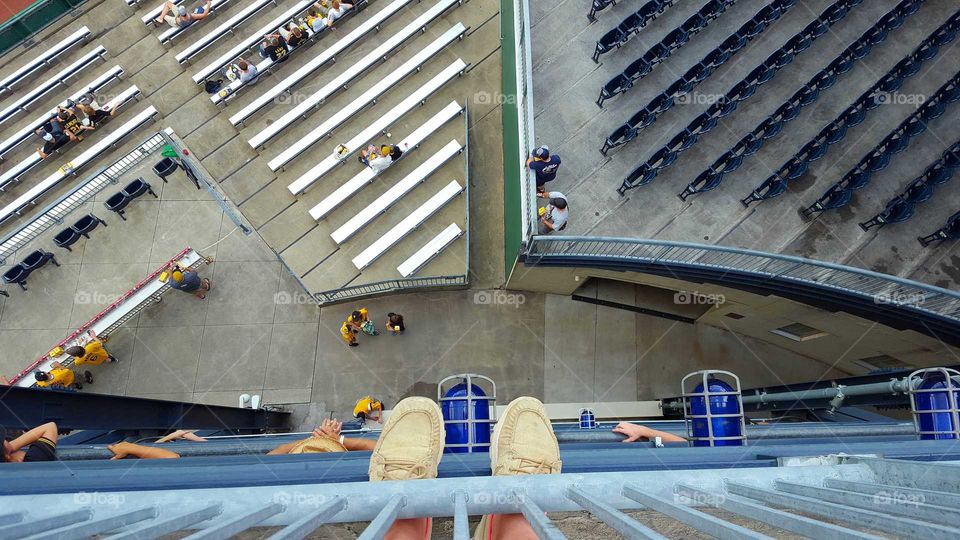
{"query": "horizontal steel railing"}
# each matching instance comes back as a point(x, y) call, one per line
point(877, 287)
point(389, 285)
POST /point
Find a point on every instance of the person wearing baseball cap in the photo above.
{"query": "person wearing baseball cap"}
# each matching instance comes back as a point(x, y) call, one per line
point(544, 165)
point(182, 19)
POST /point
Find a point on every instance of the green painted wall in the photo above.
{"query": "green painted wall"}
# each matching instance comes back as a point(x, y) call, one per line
point(512, 224)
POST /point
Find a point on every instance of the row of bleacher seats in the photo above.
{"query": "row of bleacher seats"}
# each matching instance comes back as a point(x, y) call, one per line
point(226, 28)
point(301, 74)
point(301, 184)
point(902, 207)
point(367, 98)
point(80, 229)
point(150, 18)
point(18, 273)
point(950, 231)
point(630, 26)
point(381, 53)
point(835, 131)
point(13, 174)
point(659, 53)
point(841, 192)
point(44, 59)
point(97, 85)
point(704, 123)
point(808, 94)
point(167, 36)
point(700, 72)
point(68, 72)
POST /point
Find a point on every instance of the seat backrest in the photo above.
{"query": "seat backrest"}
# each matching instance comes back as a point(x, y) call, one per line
point(116, 201)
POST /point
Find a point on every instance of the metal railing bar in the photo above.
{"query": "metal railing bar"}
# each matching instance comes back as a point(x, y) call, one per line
point(616, 519)
point(378, 528)
point(541, 524)
point(238, 524)
point(156, 529)
point(701, 521)
point(312, 521)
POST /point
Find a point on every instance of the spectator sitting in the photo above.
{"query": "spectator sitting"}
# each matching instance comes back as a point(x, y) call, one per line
point(182, 19)
point(52, 141)
point(42, 441)
point(380, 159)
point(95, 114)
point(274, 47)
point(554, 216)
point(337, 10)
point(246, 72)
point(293, 35)
point(315, 19)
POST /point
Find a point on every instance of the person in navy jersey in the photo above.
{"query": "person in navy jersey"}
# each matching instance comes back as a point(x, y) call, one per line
point(544, 165)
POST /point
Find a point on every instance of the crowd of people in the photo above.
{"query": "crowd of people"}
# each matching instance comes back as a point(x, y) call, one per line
point(70, 122)
point(358, 322)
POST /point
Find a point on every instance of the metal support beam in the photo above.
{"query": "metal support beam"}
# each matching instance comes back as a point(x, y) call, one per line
point(461, 525)
point(616, 519)
point(700, 521)
point(864, 518)
point(28, 407)
point(915, 474)
point(37, 526)
point(97, 526)
point(312, 521)
point(901, 506)
point(378, 528)
point(8, 519)
point(939, 498)
point(537, 519)
point(156, 529)
point(237, 525)
point(802, 525)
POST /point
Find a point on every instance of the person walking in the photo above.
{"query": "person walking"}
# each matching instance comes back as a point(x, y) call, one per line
point(188, 281)
point(91, 353)
point(544, 165)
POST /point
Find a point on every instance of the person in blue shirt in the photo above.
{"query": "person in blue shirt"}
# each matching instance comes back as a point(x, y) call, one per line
point(544, 165)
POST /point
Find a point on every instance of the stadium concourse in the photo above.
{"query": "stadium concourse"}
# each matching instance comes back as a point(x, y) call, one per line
point(749, 111)
point(265, 148)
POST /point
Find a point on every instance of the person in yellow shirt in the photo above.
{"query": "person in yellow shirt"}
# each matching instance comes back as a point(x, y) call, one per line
point(61, 377)
point(92, 353)
point(369, 407)
point(348, 332)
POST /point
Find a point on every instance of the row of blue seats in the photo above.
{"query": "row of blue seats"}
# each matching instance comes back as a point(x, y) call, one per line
point(630, 26)
point(597, 6)
point(833, 133)
point(950, 231)
point(679, 36)
point(773, 125)
point(645, 172)
point(840, 193)
point(701, 71)
point(920, 189)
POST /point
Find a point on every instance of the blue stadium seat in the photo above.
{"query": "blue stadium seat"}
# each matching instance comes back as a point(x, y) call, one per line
point(609, 41)
point(835, 197)
point(950, 231)
point(631, 24)
point(918, 192)
point(896, 211)
point(614, 86)
point(620, 136)
point(768, 189)
point(706, 181)
point(597, 6)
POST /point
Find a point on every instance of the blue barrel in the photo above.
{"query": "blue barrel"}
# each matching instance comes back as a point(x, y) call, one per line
point(940, 423)
point(722, 427)
point(456, 409)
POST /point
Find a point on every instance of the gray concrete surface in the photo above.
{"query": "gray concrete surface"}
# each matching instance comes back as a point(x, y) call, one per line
point(567, 83)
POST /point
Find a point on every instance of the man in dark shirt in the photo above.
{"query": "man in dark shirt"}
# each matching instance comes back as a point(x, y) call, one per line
point(544, 165)
point(42, 441)
point(274, 47)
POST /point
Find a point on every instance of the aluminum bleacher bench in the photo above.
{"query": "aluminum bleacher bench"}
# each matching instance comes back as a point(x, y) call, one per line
point(407, 225)
point(89, 155)
point(380, 53)
point(251, 41)
point(171, 33)
point(396, 192)
point(49, 54)
point(113, 74)
point(14, 173)
point(430, 250)
point(364, 177)
point(50, 84)
point(226, 28)
point(150, 17)
point(418, 97)
point(329, 53)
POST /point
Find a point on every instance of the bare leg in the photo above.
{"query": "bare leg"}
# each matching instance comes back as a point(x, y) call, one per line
point(511, 526)
point(167, 7)
point(409, 529)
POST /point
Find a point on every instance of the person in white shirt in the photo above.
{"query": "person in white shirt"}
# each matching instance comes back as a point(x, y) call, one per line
point(247, 72)
point(337, 10)
point(555, 214)
point(380, 159)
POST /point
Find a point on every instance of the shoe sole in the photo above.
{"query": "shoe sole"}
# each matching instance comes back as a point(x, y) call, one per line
point(495, 437)
point(413, 404)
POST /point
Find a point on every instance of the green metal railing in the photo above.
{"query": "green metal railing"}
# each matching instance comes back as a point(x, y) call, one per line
point(31, 20)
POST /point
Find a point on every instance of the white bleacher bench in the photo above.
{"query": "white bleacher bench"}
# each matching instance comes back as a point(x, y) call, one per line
point(364, 177)
point(23, 134)
point(150, 17)
point(49, 54)
point(251, 41)
point(420, 96)
point(89, 155)
point(226, 28)
point(14, 173)
point(50, 84)
point(407, 225)
point(410, 66)
point(329, 53)
point(170, 33)
point(430, 250)
point(396, 192)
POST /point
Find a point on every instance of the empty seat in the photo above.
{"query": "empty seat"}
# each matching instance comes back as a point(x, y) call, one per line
point(86, 224)
point(116, 203)
point(164, 168)
point(45, 58)
point(137, 188)
point(609, 41)
point(950, 231)
point(16, 274)
point(599, 5)
point(896, 211)
point(66, 238)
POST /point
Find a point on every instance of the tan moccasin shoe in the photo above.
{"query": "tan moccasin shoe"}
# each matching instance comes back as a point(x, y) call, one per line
point(411, 442)
point(523, 441)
